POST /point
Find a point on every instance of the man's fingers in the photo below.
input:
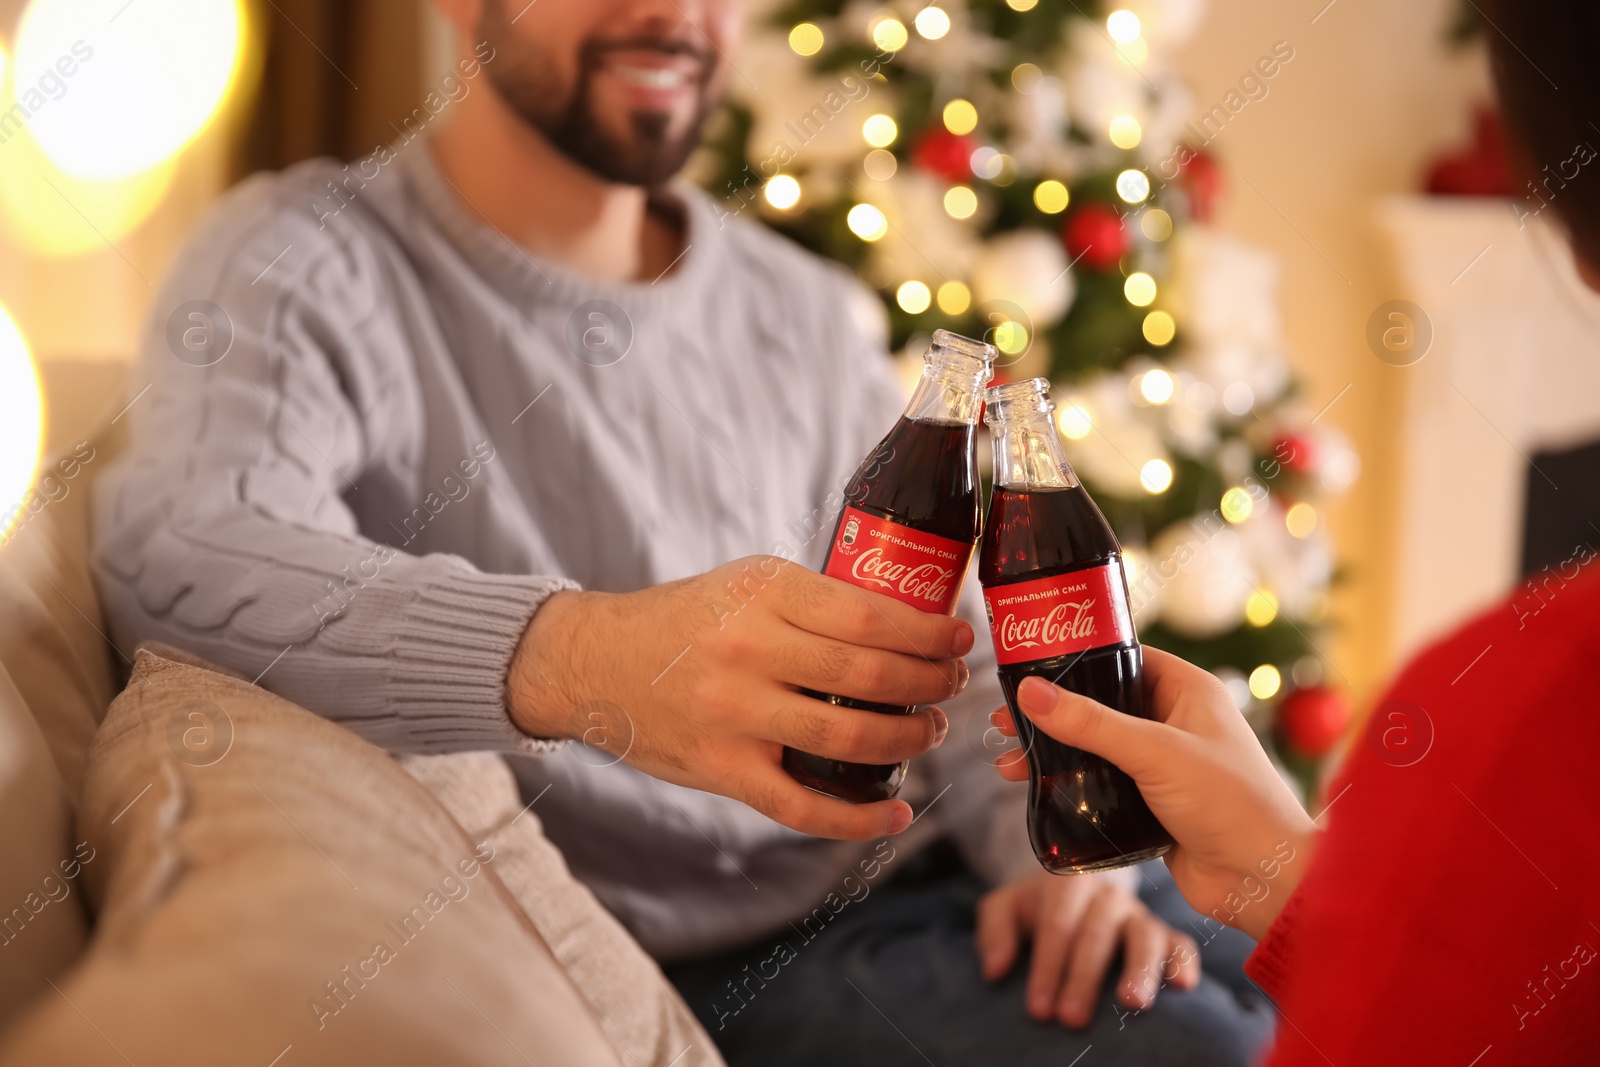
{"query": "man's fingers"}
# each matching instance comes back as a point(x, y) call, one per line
point(1012, 765)
point(765, 787)
point(1182, 966)
point(1145, 949)
point(855, 736)
point(1054, 931)
point(1092, 950)
point(998, 934)
point(831, 608)
point(866, 673)
point(1136, 745)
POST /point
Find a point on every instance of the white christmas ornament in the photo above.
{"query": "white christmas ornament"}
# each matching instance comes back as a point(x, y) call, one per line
point(1206, 579)
point(1027, 267)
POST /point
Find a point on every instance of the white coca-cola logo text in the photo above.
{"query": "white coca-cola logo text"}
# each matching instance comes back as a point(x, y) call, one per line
point(925, 581)
point(1066, 622)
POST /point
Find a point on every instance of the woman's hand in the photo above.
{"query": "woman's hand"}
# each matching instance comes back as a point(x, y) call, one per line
point(1243, 841)
point(1077, 925)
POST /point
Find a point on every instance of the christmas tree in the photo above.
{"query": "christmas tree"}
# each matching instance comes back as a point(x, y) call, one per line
point(1027, 171)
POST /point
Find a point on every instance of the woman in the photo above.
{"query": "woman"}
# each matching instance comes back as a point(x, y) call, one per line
point(1448, 910)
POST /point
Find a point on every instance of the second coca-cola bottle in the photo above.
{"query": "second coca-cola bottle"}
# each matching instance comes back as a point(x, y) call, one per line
point(1057, 600)
point(911, 520)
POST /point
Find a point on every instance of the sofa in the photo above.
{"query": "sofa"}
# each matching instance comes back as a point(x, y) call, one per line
point(197, 871)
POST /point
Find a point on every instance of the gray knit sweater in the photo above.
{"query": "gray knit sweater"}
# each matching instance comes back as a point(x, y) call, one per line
point(398, 456)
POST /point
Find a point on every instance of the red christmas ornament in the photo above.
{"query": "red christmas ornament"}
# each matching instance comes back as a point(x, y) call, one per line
point(1095, 235)
point(1297, 453)
point(1312, 720)
point(949, 155)
point(1481, 169)
point(1201, 179)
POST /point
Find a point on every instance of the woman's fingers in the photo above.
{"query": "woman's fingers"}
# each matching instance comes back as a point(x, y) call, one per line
point(1138, 746)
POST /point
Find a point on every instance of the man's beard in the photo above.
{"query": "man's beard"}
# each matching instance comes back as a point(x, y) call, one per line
point(650, 157)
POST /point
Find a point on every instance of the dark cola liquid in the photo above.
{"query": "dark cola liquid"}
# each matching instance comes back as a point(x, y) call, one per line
point(1083, 813)
point(921, 475)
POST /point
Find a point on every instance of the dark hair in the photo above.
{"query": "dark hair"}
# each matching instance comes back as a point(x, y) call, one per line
point(1548, 79)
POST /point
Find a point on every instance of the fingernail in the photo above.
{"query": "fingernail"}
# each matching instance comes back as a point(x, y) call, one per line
point(941, 726)
point(994, 719)
point(965, 639)
point(1037, 696)
point(963, 676)
point(900, 819)
point(1072, 1012)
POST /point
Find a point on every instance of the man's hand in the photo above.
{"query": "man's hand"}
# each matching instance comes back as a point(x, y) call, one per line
point(696, 682)
point(1077, 924)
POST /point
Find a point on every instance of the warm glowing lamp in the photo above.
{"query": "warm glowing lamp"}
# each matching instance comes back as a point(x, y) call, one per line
point(148, 82)
point(21, 421)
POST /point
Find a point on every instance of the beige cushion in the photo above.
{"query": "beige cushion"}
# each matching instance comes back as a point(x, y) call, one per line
point(42, 927)
point(269, 885)
point(51, 630)
point(641, 1013)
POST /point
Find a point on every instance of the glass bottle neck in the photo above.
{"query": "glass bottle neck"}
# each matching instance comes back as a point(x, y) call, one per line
point(1028, 453)
point(950, 390)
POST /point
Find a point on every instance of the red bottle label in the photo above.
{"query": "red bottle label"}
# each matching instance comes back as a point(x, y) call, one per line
point(1059, 615)
point(916, 568)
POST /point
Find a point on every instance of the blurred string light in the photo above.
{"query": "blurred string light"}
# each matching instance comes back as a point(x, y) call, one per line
point(1261, 608)
point(1156, 224)
point(21, 419)
point(1265, 681)
point(1301, 520)
point(1156, 476)
point(960, 202)
point(1025, 77)
point(783, 192)
point(1140, 289)
point(880, 165)
point(879, 131)
point(1159, 329)
point(1010, 337)
point(1237, 505)
point(932, 23)
point(1051, 197)
point(1156, 386)
point(988, 163)
point(1073, 421)
point(889, 34)
point(1022, 5)
point(913, 297)
point(1126, 131)
point(155, 77)
point(960, 117)
point(867, 222)
point(1133, 186)
point(806, 39)
point(954, 298)
point(1123, 26)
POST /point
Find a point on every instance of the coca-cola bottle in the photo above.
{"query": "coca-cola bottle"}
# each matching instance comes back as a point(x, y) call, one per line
point(1057, 600)
point(911, 520)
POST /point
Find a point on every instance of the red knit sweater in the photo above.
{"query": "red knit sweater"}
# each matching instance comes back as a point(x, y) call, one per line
point(1452, 913)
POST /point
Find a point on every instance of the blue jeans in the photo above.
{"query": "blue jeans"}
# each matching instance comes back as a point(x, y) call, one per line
point(893, 979)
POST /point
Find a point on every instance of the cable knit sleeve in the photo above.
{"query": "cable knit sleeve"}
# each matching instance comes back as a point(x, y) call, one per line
point(268, 384)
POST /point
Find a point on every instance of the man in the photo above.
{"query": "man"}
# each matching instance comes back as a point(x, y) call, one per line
point(493, 413)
